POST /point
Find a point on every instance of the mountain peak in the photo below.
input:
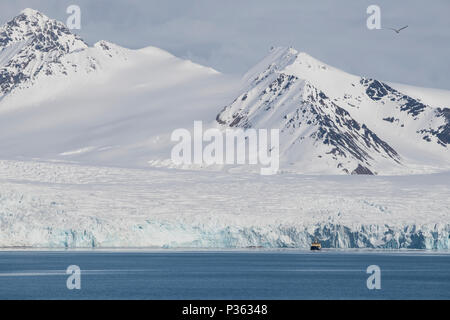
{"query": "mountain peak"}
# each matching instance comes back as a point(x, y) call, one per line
point(287, 60)
point(29, 20)
point(288, 55)
point(28, 43)
point(32, 13)
point(31, 23)
point(283, 50)
point(277, 59)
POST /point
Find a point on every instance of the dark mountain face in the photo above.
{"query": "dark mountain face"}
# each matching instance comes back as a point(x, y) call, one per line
point(443, 131)
point(313, 112)
point(379, 91)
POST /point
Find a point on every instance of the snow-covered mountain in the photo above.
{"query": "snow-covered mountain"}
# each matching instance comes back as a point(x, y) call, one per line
point(61, 99)
point(103, 104)
point(331, 121)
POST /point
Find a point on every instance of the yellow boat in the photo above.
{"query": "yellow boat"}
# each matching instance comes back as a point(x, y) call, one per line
point(316, 245)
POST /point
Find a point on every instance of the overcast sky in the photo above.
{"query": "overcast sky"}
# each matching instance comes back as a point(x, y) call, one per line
point(232, 35)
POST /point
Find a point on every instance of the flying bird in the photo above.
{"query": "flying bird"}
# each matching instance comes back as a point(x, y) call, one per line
point(398, 30)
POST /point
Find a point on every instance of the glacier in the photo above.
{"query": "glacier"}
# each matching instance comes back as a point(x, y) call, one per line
point(59, 205)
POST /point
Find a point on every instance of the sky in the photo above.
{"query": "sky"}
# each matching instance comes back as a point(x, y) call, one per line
point(233, 35)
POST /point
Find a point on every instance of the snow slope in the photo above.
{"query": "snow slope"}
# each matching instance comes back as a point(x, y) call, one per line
point(46, 204)
point(102, 104)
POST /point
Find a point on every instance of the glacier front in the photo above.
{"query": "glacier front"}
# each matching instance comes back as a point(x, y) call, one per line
point(60, 205)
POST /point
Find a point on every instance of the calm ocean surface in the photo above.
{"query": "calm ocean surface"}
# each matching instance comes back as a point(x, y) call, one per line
point(252, 274)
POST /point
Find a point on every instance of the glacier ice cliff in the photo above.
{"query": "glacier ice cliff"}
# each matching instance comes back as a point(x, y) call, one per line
point(165, 235)
point(59, 205)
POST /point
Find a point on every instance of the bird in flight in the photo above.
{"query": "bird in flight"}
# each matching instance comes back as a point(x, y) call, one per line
point(398, 30)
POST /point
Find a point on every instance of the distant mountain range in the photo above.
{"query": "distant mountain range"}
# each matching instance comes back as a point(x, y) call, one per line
point(63, 100)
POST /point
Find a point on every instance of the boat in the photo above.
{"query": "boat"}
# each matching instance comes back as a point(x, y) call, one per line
point(315, 246)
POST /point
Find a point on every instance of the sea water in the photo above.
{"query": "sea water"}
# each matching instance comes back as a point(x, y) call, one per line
point(246, 274)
